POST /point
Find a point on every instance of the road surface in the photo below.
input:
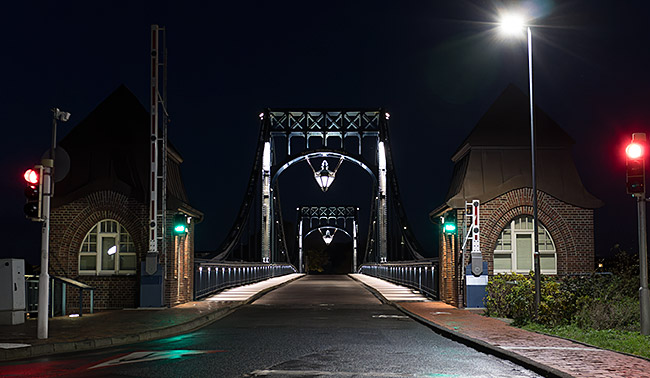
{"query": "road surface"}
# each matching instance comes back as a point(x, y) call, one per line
point(317, 326)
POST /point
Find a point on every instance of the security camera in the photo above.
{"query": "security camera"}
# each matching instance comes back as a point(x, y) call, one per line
point(64, 116)
point(61, 116)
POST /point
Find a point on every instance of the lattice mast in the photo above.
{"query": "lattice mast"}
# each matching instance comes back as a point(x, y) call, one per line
point(158, 150)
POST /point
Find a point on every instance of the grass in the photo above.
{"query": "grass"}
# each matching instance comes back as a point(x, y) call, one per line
point(620, 341)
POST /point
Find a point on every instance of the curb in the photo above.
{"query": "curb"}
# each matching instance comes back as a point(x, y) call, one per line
point(107, 342)
point(488, 348)
point(479, 345)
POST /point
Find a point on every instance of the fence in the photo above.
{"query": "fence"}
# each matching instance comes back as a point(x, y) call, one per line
point(210, 277)
point(421, 275)
point(57, 298)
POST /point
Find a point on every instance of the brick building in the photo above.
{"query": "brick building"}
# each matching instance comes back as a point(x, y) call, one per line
point(99, 222)
point(493, 165)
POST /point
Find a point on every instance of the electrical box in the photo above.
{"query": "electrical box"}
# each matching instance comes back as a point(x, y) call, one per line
point(12, 291)
point(151, 287)
point(476, 286)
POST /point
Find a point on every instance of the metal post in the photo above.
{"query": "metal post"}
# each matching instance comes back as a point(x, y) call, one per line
point(266, 203)
point(382, 205)
point(44, 277)
point(151, 262)
point(300, 269)
point(533, 173)
point(63, 298)
point(354, 245)
point(644, 295)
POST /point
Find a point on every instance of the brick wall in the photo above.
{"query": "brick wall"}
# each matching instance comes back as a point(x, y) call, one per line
point(571, 228)
point(71, 222)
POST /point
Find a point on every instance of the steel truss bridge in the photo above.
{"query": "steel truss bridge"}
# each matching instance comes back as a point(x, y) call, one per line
point(321, 138)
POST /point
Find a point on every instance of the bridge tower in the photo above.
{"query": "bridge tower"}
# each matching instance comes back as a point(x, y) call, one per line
point(322, 138)
point(328, 220)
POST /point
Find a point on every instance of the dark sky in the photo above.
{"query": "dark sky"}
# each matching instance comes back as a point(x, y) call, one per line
point(435, 65)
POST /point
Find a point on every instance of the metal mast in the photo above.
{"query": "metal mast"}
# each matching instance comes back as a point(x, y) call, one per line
point(157, 217)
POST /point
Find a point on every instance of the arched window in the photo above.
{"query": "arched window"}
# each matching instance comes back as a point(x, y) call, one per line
point(107, 249)
point(514, 249)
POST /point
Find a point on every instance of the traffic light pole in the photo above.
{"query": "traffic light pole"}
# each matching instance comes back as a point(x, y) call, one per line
point(644, 294)
point(44, 277)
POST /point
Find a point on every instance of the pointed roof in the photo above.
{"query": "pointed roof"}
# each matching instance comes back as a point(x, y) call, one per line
point(109, 150)
point(495, 158)
point(507, 124)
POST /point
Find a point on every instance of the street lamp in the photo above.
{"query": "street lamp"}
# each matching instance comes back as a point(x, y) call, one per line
point(512, 24)
point(324, 177)
point(48, 188)
point(327, 236)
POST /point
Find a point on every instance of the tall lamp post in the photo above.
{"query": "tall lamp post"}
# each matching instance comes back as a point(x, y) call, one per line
point(512, 24)
point(48, 188)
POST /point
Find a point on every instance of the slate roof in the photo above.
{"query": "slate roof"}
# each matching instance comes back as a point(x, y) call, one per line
point(495, 158)
point(109, 150)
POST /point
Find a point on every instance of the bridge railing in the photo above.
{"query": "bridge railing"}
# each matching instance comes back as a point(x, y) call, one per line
point(420, 275)
point(210, 277)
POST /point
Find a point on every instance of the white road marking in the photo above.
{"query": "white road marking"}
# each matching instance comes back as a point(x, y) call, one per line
point(144, 356)
point(13, 345)
point(322, 373)
point(391, 316)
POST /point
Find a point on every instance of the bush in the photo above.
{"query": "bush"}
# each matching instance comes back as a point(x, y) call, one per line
point(601, 314)
point(596, 301)
point(513, 296)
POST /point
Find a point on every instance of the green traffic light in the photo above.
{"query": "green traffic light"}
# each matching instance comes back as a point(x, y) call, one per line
point(450, 228)
point(180, 224)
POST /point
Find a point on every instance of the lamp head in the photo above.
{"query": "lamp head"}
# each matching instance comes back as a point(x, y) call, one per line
point(327, 237)
point(324, 177)
point(511, 24)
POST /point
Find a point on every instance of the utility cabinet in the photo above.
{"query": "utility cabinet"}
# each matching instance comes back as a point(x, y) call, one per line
point(151, 287)
point(476, 286)
point(12, 291)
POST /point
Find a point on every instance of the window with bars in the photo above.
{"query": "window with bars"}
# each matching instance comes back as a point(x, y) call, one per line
point(107, 249)
point(514, 248)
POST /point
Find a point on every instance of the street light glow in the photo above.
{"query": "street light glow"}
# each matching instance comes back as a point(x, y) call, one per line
point(512, 24)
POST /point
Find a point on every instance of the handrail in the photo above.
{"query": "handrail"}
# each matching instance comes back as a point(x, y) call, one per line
point(422, 275)
point(211, 277)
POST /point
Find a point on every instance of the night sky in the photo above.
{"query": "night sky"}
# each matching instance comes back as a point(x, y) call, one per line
point(436, 66)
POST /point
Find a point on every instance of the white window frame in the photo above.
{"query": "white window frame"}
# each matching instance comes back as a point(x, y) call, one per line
point(503, 248)
point(122, 240)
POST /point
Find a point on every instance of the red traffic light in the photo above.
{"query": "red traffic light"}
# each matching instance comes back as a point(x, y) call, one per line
point(33, 193)
point(635, 165)
point(634, 150)
point(31, 176)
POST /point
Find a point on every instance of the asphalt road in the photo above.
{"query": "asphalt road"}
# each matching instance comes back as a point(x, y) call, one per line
point(317, 326)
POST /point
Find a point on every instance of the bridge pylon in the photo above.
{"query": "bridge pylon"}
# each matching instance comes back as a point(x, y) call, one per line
point(291, 136)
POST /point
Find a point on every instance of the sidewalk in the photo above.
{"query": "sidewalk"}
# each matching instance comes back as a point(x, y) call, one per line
point(112, 328)
point(546, 355)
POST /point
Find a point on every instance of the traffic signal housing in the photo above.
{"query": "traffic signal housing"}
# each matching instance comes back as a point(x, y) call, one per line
point(449, 225)
point(179, 224)
point(635, 165)
point(34, 193)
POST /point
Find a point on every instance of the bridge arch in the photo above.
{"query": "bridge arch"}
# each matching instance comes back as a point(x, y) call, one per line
point(323, 154)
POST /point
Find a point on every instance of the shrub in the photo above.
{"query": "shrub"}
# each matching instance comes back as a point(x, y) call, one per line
point(513, 296)
point(595, 301)
point(604, 314)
